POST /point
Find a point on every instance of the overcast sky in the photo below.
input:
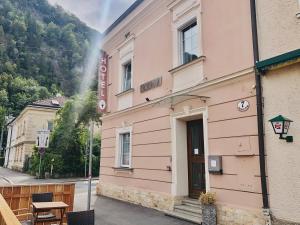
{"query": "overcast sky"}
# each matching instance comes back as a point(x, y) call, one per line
point(89, 11)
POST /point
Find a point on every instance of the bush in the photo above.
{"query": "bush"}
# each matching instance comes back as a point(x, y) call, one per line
point(26, 165)
point(48, 159)
point(95, 166)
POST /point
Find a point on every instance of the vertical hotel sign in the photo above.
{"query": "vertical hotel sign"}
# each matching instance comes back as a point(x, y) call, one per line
point(102, 83)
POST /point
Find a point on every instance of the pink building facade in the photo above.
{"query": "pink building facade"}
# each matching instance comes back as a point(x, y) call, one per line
point(181, 102)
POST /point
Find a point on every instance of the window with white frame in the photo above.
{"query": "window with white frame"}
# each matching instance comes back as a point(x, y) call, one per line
point(125, 149)
point(189, 42)
point(126, 81)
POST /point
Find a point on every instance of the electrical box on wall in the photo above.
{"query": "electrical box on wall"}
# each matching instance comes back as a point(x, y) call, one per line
point(215, 164)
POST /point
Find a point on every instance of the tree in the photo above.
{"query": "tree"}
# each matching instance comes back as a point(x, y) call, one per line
point(2, 117)
point(69, 137)
point(17, 92)
point(2, 127)
point(44, 43)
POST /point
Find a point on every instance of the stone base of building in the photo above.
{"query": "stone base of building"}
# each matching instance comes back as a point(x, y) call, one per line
point(150, 199)
point(276, 221)
point(228, 215)
point(17, 168)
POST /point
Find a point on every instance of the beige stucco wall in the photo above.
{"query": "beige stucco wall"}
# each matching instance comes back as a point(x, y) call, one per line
point(278, 33)
point(281, 94)
point(278, 27)
point(25, 127)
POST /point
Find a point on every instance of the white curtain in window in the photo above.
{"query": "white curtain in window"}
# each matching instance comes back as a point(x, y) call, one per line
point(125, 149)
point(127, 77)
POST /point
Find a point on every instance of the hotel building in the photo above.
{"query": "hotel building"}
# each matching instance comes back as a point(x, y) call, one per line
point(181, 114)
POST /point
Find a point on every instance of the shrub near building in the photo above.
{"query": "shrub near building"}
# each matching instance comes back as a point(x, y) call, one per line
point(68, 139)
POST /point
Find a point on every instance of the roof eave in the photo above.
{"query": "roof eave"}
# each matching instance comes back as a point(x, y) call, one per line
point(44, 106)
point(123, 16)
point(278, 61)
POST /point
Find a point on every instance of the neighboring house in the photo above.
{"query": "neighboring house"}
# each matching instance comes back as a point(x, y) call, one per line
point(23, 129)
point(181, 88)
point(278, 25)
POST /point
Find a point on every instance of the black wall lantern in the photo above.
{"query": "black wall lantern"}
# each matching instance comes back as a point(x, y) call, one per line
point(281, 126)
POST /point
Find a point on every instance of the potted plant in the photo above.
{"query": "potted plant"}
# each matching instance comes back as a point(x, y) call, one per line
point(209, 210)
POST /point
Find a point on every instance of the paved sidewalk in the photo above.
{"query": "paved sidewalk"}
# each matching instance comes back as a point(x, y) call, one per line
point(113, 212)
point(8, 176)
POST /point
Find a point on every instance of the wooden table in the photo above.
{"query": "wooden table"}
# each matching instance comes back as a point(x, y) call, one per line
point(38, 207)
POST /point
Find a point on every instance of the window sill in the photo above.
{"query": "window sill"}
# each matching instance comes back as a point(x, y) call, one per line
point(183, 66)
point(129, 169)
point(125, 92)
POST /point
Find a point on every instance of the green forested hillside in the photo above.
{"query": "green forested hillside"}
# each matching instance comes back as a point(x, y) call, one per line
point(42, 52)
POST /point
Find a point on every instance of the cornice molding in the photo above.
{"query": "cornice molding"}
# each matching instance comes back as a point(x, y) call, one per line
point(197, 87)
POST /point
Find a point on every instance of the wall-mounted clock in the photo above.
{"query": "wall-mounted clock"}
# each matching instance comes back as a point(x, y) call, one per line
point(243, 105)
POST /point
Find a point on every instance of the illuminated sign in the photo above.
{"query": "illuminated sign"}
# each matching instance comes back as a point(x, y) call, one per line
point(102, 86)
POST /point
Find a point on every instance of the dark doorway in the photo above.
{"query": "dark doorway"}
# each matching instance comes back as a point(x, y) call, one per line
point(196, 159)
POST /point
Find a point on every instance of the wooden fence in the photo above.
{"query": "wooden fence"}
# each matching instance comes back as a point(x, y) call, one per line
point(18, 198)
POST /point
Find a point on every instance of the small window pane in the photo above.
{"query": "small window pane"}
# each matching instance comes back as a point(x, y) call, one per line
point(187, 33)
point(190, 43)
point(194, 30)
point(125, 149)
point(50, 125)
point(194, 42)
point(127, 77)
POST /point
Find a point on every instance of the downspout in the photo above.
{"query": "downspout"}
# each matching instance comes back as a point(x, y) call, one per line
point(259, 103)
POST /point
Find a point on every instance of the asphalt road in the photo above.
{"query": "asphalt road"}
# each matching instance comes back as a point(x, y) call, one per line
point(108, 211)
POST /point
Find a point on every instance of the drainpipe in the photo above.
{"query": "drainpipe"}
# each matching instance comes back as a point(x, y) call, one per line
point(259, 103)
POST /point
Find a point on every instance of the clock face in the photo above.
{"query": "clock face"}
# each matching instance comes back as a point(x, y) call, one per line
point(243, 105)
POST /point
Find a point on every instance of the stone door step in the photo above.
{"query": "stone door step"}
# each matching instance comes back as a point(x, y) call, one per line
point(191, 202)
point(184, 216)
point(191, 210)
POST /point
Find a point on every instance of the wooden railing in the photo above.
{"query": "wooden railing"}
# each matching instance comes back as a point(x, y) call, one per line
point(18, 200)
point(7, 217)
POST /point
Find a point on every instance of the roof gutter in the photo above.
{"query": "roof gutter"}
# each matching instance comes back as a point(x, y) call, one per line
point(260, 121)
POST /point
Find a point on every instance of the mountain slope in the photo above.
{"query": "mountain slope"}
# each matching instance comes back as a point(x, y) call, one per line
point(44, 43)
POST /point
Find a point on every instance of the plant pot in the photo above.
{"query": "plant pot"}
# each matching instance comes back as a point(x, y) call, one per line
point(209, 214)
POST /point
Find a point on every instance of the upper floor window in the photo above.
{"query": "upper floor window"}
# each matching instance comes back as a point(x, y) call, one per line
point(126, 81)
point(189, 43)
point(50, 126)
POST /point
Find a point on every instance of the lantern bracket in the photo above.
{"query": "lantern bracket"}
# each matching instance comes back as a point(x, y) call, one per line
point(288, 139)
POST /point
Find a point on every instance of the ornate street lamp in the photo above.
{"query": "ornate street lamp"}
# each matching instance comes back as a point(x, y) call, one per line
point(281, 126)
